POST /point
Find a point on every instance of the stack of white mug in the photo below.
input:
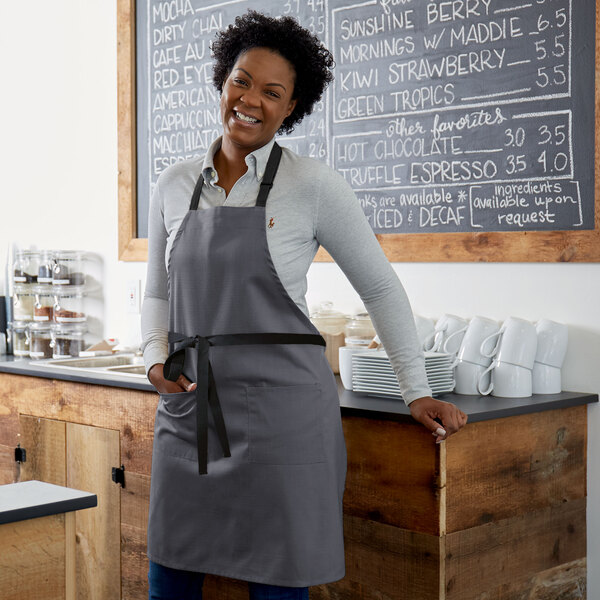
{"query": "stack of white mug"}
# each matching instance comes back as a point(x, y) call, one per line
point(509, 361)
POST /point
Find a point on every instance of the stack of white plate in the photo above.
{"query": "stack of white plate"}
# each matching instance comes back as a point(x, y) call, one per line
point(373, 375)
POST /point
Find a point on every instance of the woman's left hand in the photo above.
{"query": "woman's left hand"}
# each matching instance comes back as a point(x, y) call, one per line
point(427, 409)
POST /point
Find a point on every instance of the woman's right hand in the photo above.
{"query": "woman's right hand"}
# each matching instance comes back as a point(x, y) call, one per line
point(165, 386)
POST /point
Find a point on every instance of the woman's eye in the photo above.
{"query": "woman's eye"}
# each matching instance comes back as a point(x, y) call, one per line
point(239, 81)
point(274, 94)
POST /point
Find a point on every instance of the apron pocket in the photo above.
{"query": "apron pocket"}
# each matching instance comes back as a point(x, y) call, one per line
point(285, 425)
point(175, 425)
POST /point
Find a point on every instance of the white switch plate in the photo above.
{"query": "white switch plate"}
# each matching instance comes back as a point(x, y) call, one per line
point(133, 296)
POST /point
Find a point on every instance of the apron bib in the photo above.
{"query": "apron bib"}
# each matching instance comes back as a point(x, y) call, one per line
point(248, 470)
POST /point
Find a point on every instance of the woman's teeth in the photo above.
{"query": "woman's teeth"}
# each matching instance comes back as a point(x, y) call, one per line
point(245, 118)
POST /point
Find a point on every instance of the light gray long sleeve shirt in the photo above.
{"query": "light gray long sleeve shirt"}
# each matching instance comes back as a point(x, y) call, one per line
point(311, 205)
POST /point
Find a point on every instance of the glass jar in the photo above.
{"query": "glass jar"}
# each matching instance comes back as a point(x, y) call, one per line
point(330, 324)
point(68, 339)
point(25, 266)
point(43, 306)
point(69, 267)
point(18, 331)
point(68, 305)
point(359, 331)
point(23, 300)
point(46, 267)
point(40, 340)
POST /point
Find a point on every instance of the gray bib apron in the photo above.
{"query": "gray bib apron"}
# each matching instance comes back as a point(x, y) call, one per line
point(248, 470)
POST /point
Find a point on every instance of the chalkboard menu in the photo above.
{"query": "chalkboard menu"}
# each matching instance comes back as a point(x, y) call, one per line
point(444, 116)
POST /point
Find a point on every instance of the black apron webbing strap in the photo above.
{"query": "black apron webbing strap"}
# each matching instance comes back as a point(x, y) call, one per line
point(206, 389)
point(270, 170)
point(197, 191)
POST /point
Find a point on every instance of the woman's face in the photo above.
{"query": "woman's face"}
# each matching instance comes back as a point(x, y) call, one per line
point(257, 97)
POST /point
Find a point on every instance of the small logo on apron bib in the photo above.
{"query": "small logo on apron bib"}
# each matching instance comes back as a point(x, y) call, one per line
point(271, 223)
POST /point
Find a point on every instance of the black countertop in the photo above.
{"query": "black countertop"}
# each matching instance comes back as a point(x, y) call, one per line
point(32, 499)
point(478, 408)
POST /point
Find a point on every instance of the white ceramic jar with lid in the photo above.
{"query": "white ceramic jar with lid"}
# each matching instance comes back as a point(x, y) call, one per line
point(331, 324)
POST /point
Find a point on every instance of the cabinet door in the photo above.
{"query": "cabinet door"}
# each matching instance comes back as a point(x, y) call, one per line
point(82, 457)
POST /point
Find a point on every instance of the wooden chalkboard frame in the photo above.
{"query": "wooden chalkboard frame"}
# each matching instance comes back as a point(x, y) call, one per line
point(522, 246)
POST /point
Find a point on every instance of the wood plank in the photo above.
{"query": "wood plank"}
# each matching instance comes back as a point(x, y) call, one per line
point(44, 440)
point(91, 454)
point(526, 463)
point(130, 411)
point(135, 500)
point(32, 559)
point(393, 474)
point(134, 563)
point(385, 563)
point(565, 582)
point(70, 557)
point(485, 559)
point(8, 467)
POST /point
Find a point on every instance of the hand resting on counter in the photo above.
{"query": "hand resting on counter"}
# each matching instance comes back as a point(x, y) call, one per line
point(425, 410)
point(165, 386)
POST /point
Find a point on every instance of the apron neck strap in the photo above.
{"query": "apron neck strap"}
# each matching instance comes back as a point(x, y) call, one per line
point(271, 169)
point(265, 185)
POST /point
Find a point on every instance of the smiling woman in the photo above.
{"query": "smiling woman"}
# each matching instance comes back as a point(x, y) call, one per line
point(254, 490)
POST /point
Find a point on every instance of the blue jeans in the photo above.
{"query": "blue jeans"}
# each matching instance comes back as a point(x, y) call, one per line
point(173, 584)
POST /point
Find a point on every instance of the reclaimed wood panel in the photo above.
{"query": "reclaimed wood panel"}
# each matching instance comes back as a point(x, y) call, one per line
point(32, 559)
point(45, 443)
point(394, 474)
point(8, 467)
point(483, 559)
point(91, 454)
point(565, 582)
point(531, 462)
point(130, 411)
point(135, 500)
point(385, 563)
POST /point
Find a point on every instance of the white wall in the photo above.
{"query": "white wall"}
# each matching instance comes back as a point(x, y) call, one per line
point(58, 163)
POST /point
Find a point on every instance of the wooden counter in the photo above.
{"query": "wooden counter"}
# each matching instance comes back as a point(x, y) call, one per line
point(37, 540)
point(495, 512)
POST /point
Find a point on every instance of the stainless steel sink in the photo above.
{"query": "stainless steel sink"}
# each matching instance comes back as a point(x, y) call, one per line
point(129, 365)
point(93, 362)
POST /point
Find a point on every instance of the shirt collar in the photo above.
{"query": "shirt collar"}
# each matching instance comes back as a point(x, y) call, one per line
point(256, 161)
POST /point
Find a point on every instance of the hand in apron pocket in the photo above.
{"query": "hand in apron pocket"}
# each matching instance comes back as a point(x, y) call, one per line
point(175, 425)
point(285, 424)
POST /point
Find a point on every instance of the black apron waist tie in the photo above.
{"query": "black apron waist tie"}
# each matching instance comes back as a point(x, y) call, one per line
point(206, 389)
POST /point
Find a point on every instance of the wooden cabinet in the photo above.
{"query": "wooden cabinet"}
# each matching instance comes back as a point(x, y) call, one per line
point(81, 457)
point(497, 512)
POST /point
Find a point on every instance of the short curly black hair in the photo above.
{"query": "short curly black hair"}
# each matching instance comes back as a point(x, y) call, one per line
point(312, 62)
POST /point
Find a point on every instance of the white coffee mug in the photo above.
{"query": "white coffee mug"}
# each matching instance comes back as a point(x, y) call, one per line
point(552, 342)
point(508, 381)
point(479, 329)
point(467, 376)
point(546, 379)
point(516, 345)
point(445, 328)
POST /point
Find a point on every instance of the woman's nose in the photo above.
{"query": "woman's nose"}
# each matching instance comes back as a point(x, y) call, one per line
point(249, 98)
